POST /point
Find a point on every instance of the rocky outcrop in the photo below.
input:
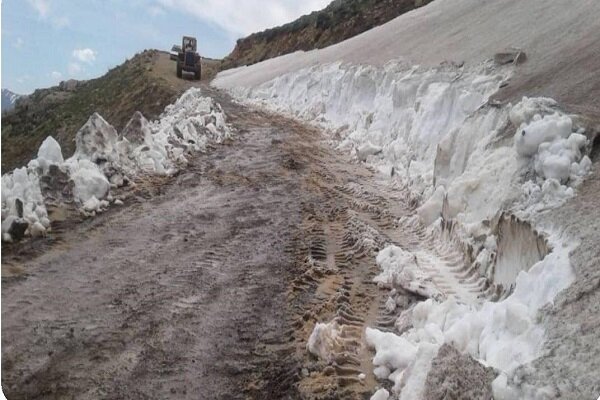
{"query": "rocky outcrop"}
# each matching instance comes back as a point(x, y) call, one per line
point(339, 21)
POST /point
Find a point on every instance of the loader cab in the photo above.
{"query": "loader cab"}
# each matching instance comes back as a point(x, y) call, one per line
point(189, 44)
point(189, 60)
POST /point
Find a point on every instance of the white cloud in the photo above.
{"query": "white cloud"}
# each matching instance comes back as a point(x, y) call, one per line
point(248, 16)
point(55, 75)
point(40, 6)
point(87, 55)
point(18, 43)
point(74, 69)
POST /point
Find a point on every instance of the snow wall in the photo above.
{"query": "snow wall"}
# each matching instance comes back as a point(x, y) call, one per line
point(105, 159)
point(469, 160)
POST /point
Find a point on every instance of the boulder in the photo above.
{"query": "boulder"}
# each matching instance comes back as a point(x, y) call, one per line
point(510, 56)
point(19, 207)
point(17, 228)
point(69, 85)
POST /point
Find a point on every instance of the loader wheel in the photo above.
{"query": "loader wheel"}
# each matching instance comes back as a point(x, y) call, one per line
point(179, 70)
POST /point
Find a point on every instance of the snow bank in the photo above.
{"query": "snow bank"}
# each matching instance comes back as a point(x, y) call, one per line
point(418, 122)
point(105, 159)
point(22, 203)
point(394, 115)
point(435, 129)
point(465, 159)
point(504, 335)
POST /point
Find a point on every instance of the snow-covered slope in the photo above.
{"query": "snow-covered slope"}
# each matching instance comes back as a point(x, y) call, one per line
point(558, 36)
point(9, 99)
point(417, 99)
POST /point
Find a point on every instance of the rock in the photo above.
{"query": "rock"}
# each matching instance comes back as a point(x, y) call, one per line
point(19, 207)
point(457, 376)
point(69, 85)
point(17, 228)
point(514, 56)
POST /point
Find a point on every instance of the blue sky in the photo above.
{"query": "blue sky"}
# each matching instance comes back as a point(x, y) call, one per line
point(46, 41)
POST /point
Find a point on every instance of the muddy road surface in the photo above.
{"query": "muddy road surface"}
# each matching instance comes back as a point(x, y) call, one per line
point(210, 288)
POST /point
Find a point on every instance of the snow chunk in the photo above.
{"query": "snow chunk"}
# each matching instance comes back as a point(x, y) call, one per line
point(96, 141)
point(49, 153)
point(89, 180)
point(555, 149)
point(392, 351)
point(366, 150)
point(324, 340)
point(530, 136)
point(527, 108)
point(137, 131)
point(381, 394)
point(399, 268)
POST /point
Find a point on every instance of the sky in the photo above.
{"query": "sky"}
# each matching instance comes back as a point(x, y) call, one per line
point(47, 41)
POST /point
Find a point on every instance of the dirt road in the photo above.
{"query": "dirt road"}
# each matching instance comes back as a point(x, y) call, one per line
point(210, 288)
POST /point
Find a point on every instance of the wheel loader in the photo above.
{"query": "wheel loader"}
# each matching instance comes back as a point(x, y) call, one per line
point(188, 59)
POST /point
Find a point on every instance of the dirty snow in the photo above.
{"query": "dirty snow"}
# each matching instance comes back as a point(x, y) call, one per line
point(503, 335)
point(399, 269)
point(324, 340)
point(466, 159)
point(105, 159)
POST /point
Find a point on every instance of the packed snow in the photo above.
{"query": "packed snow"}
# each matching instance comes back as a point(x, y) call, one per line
point(399, 269)
point(104, 159)
point(466, 159)
point(435, 128)
point(503, 335)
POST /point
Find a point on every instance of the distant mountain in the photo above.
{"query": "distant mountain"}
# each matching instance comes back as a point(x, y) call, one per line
point(8, 99)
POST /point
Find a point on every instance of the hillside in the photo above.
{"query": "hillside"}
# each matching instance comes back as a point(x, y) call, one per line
point(339, 21)
point(145, 83)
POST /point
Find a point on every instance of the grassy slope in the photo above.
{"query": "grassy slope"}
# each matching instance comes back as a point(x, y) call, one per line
point(339, 21)
point(132, 86)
